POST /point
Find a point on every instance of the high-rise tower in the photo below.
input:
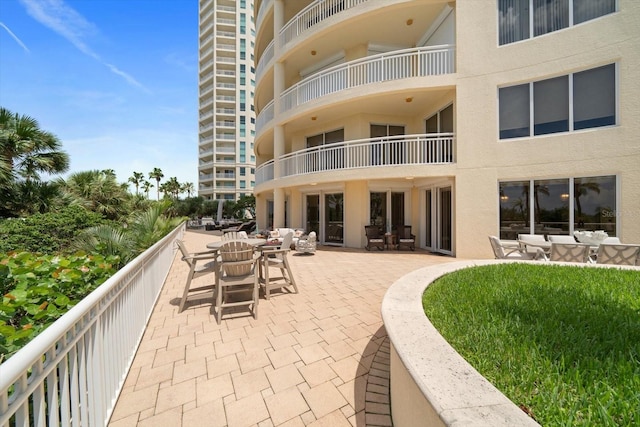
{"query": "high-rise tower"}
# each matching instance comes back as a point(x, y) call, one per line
point(226, 162)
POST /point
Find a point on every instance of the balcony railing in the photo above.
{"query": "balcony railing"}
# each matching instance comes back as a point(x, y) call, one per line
point(264, 6)
point(397, 65)
point(264, 172)
point(73, 372)
point(423, 149)
point(266, 57)
point(313, 14)
point(265, 116)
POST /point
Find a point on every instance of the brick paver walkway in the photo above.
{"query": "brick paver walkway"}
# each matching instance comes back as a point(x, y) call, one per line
point(317, 358)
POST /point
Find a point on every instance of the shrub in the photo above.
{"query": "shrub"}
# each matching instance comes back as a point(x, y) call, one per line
point(46, 233)
point(38, 289)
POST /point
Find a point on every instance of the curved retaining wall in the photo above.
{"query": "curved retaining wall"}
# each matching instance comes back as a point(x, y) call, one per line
point(431, 384)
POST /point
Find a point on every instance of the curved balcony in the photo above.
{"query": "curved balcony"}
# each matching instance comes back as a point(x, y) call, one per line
point(312, 15)
point(265, 59)
point(397, 65)
point(266, 5)
point(266, 115)
point(422, 149)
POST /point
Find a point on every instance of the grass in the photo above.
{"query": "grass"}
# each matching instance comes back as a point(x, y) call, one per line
point(563, 343)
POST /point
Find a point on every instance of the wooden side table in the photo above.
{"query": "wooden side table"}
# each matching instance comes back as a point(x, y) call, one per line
point(390, 241)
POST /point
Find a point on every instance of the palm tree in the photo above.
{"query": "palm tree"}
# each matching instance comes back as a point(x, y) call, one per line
point(172, 187)
point(146, 186)
point(96, 191)
point(157, 174)
point(188, 188)
point(136, 179)
point(26, 150)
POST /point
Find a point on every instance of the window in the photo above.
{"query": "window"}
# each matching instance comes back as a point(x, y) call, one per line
point(441, 122)
point(594, 98)
point(387, 151)
point(243, 184)
point(549, 207)
point(243, 171)
point(515, 23)
point(327, 159)
point(593, 104)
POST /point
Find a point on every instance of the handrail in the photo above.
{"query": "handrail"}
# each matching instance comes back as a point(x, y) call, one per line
point(265, 116)
point(419, 149)
point(75, 369)
point(313, 14)
point(396, 65)
point(266, 57)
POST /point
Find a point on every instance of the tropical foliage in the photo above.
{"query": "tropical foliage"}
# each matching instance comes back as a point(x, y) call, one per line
point(38, 289)
point(50, 233)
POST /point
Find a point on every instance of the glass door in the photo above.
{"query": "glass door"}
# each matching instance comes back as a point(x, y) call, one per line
point(313, 214)
point(428, 226)
point(445, 220)
point(334, 218)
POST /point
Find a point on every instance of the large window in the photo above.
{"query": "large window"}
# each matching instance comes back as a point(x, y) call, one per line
point(386, 210)
point(387, 152)
point(518, 19)
point(593, 104)
point(441, 122)
point(325, 158)
point(557, 206)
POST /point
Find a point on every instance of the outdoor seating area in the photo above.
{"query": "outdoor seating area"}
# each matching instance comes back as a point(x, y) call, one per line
point(604, 250)
point(238, 269)
point(316, 357)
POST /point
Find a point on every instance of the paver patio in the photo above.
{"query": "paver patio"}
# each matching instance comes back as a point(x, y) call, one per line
point(317, 358)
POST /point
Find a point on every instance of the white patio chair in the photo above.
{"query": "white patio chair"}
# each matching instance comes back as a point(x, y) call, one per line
point(197, 268)
point(569, 252)
point(236, 274)
point(513, 250)
point(618, 254)
point(561, 238)
point(276, 257)
point(307, 245)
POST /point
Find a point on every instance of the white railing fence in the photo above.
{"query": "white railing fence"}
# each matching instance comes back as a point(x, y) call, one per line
point(401, 64)
point(422, 149)
point(72, 373)
point(264, 172)
point(313, 14)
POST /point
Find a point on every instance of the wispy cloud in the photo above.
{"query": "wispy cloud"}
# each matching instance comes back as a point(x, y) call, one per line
point(64, 20)
point(14, 37)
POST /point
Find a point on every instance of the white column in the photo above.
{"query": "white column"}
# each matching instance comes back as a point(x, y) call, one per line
point(278, 131)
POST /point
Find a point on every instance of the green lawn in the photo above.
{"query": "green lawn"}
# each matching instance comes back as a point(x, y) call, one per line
point(561, 342)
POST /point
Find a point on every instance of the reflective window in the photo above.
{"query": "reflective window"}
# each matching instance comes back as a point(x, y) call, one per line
point(593, 204)
point(514, 16)
point(593, 104)
point(594, 97)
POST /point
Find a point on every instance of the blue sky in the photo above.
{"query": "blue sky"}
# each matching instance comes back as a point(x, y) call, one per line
point(115, 80)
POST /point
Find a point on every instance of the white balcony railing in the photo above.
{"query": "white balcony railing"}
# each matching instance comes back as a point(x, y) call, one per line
point(313, 14)
point(397, 65)
point(266, 57)
point(423, 149)
point(73, 372)
point(264, 172)
point(264, 6)
point(265, 116)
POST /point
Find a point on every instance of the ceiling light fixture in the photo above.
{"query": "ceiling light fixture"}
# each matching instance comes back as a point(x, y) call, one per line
point(409, 21)
point(313, 53)
point(409, 99)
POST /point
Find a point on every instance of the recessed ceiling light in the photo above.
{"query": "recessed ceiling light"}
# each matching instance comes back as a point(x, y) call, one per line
point(409, 21)
point(409, 99)
point(313, 53)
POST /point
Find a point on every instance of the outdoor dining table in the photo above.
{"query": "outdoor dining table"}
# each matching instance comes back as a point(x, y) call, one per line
point(252, 241)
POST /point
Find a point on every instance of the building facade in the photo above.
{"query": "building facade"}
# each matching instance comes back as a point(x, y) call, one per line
point(463, 119)
point(226, 162)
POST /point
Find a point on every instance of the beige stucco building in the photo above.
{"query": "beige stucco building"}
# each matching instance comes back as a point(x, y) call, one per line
point(463, 119)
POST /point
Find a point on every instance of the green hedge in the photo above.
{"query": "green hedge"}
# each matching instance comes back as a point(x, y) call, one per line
point(46, 233)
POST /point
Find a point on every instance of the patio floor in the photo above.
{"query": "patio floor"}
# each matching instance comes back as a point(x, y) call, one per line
point(317, 358)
